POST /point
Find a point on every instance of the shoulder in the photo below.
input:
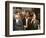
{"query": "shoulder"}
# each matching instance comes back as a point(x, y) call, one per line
point(37, 21)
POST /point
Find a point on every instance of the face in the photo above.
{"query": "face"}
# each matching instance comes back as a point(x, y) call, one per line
point(18, 16)
point(27, 14)
point(34, 16)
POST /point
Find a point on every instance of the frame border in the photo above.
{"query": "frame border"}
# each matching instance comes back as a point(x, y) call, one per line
point(7, 18)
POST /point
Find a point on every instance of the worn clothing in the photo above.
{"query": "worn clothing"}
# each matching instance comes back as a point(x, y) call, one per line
point(18, 25)
point(35, 25)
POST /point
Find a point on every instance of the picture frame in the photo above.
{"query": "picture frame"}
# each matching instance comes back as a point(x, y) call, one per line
point(22, 7)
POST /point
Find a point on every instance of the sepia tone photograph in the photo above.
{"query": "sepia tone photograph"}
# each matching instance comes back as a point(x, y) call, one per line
point(26, 18)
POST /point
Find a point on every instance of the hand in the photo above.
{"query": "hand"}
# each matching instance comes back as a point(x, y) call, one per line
point(25, 26)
